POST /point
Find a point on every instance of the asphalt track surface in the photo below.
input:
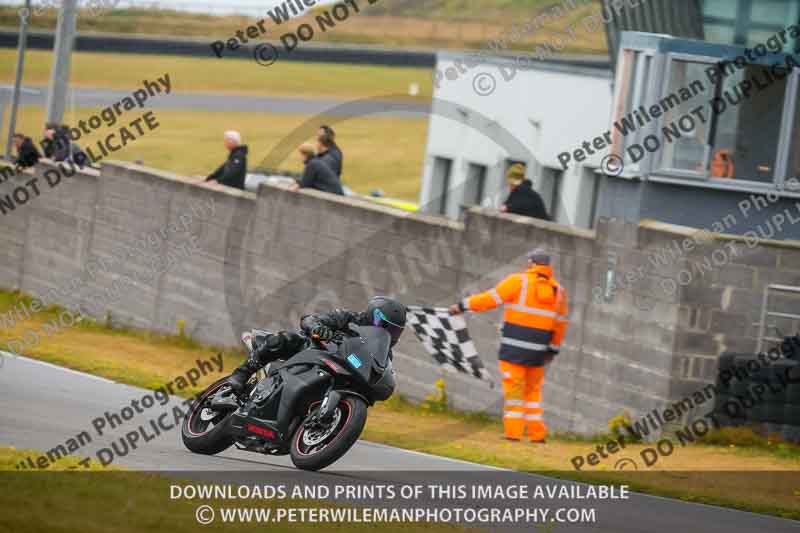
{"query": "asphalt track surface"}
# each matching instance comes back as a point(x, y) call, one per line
point(96, 98)
point(42, 405)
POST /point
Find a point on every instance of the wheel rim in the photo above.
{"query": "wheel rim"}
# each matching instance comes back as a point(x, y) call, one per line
point(203, 419)
point(312, 437)
point(310, 441)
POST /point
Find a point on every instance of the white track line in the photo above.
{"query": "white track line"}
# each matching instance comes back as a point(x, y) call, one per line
point(63, 369)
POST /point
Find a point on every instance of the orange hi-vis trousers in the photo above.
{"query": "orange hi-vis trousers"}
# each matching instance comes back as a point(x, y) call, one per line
point(522, 390)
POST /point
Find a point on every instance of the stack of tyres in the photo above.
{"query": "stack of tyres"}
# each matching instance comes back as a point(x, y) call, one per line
point(791, 409)
point(744, 388)
point(723, 390)
point(773, 396)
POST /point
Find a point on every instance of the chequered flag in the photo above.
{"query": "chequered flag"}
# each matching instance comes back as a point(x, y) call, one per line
point(447, 339)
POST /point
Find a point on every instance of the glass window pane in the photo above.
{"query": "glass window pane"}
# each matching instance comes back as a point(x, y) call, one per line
point(719, 33)
point(776, 12)
point(747, 134)
point(720, 8)
point(684, 149)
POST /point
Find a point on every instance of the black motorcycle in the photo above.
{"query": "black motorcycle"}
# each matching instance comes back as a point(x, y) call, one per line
point(312, 407)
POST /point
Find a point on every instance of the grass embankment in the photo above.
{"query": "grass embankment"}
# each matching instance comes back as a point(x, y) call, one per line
point(380, 153)
point(88, 501)
point(229, 76)
point(432, 24)
point(693, 473)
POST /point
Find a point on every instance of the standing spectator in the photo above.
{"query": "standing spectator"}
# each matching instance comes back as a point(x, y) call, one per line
point(328, 150)
point(534, 323)
point(316, 175)
point(523, 200)
point(233, 171)
point(27, 154)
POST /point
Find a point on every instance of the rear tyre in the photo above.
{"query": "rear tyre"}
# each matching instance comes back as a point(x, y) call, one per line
point(204, 430)
point(315, 447)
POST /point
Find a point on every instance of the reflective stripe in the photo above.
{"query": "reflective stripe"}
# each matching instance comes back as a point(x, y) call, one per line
point(515, 402)
point(554, 347)
point(523, 344)
point(465, 304)
point(533, 310)
point(562, 318)
point(513, 414)
point(496, 296)
point(533, 417)
point(532, 404)
point(523, 291)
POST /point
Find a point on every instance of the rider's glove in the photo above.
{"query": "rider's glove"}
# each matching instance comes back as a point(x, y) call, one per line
point(322, 333)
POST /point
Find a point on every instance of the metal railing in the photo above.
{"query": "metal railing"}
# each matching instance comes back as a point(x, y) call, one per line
point(766, 313)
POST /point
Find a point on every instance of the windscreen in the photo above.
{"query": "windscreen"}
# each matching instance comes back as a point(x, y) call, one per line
point(377, 343)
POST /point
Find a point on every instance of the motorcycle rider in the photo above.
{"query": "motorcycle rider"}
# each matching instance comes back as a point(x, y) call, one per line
point(381, 312)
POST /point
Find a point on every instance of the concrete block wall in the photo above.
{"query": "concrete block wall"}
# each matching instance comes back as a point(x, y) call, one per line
point(265, 259)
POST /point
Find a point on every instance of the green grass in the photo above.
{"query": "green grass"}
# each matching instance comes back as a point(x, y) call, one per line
point(87, 501)
point(692, 473)
point(225, 76)
point(399, 23)
point(380, 153)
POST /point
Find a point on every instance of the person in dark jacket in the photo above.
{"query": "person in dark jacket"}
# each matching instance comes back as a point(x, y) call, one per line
point(27, 154)
point(523, 200)
point(233, 171)
point(56, 142)
point(317, 174)
point(381, 312)
point(328, 151)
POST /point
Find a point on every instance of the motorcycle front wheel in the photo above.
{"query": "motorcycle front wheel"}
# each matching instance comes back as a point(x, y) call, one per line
point(205, 430)
point(316, 445)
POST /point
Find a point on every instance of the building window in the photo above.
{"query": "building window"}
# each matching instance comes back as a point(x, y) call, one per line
point(549, 187)
point(475, 185)
point(713, 130)
point(442, 168)
point(684, 140)
point(745, 136)
point(748, 22)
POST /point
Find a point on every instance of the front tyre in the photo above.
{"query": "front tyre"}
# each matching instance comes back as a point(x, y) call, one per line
point(317, 445)
point(205, 430)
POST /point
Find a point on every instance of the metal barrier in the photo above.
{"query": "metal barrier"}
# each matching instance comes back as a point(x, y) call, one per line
point(765, 313)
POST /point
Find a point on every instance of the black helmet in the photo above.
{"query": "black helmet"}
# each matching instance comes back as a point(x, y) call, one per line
point(388, 314)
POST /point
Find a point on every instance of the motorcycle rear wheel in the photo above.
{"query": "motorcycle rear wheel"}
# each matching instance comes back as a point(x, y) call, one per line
point(315, 448)
point(197, 431)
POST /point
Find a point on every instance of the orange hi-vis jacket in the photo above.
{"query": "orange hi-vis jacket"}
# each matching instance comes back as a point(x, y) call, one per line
point(535, 316)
